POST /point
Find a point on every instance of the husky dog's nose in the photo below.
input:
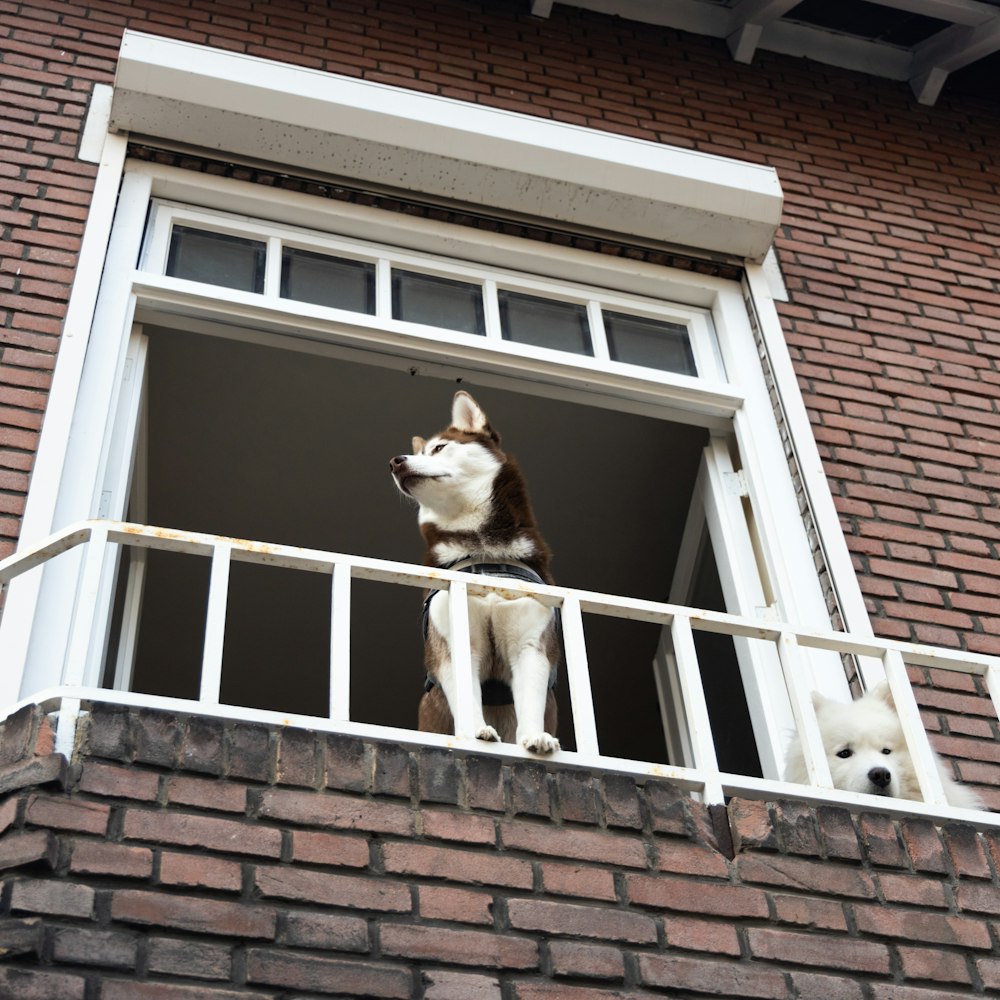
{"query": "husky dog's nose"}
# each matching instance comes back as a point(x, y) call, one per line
point(398, 462)
point(880, 777)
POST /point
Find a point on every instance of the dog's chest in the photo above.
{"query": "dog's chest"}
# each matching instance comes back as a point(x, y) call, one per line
point(450, 549)
point(500, 623)
point(512, 621)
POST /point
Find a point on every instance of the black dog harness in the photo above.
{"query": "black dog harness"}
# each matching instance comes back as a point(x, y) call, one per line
point(495, 692)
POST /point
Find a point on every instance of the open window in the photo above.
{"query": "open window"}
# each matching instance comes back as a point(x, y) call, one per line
point(252, 430)
point(256, 354)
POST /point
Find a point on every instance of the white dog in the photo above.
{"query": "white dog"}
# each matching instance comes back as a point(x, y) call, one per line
point(475, 516)
point(866, 750)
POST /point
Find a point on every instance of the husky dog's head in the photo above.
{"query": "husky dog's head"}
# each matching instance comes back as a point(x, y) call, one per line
point(865, 746)
point(452, 474)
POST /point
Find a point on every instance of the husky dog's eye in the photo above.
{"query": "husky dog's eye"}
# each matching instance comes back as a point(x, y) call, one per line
point(845, 753)
point(437, 448)
point(886, 750)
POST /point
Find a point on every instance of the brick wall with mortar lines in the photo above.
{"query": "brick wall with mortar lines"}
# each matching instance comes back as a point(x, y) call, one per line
point(889, 239)
point(177, 858)
point(888, 245)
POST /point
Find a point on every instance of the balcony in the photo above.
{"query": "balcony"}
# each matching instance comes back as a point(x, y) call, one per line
point(71, 686)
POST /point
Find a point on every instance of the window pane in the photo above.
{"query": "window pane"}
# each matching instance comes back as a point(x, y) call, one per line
point(649, 342)
point(528, 319)
point(328, 281)
point(216, 259)
point(444, 302)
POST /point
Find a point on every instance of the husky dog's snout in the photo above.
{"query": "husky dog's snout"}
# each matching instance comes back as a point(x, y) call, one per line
point(398, 463)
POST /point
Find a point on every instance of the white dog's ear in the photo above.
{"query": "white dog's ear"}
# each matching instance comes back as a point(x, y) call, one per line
point(819, 700)
point(882, 692)
point(467, 414)
point(417, 444)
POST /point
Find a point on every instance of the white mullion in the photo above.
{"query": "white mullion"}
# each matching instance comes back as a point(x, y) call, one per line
point(578, 675)
point(807, 730)
point(272, 268)
point(705, 347)
point(598, 335)
point(461, 656)
point(153, 256)
point(696, 708)
point(340, 644)
point(383, 288)
point(215, 624)
point(491, 306)
point(928, 776)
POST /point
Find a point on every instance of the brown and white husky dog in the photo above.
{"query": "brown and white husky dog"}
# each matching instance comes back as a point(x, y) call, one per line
point(475, 516)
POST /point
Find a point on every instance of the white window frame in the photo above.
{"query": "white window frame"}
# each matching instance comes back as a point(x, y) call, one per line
point(698, 321)
point(86, 457)
point(107, 416)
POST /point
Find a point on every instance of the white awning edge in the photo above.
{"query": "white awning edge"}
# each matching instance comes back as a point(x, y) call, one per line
point(441, 147)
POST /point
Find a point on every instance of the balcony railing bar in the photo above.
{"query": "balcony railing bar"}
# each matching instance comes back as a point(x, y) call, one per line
point(85, 631)
point(68, 703)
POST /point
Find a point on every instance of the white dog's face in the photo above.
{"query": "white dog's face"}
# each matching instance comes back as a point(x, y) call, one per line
point(865, 746)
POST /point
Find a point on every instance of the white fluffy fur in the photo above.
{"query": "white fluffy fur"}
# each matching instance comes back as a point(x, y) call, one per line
point(863, 737)
point(517, 627)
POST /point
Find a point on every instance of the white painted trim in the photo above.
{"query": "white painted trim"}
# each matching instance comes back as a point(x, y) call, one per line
point(740, 577)
point(39, 514)
point(948, 51)
point(67, 702)
point(818, 497)
point(775, 279)
point(406, 232)
point(758, 24)
point(95, 125)
point(94, 537)
point(380, 135)
point(714, 303)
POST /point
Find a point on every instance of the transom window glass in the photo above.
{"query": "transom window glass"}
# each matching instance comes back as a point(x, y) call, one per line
point(530, 319)
point(327, 281)
point(516, 312)
point(434, 301)
point(649, 342)
point(217, 259)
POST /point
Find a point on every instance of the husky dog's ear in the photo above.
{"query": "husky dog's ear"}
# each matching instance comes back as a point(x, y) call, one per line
point(417, 444)
point(467, 414)
point(882, 692)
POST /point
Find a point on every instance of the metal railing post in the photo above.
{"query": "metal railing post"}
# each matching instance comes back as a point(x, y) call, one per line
point(215, 624)
point(578, 675)
point(340, 643)
point(696, 709)
point(461, 656)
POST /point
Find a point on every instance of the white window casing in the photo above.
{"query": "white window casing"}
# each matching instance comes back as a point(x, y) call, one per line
point(562, 174)
point(344, 127)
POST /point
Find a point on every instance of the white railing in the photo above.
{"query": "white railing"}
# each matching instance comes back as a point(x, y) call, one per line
point(70, 690)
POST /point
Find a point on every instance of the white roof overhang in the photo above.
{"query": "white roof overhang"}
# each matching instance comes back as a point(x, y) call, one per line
point(435, 146)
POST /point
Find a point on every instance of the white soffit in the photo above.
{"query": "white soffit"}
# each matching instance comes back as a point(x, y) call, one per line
point(381, 135)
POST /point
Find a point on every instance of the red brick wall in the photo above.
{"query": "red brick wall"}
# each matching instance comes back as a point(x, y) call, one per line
point(889, 246)
point(182, 858)
point(889, 241)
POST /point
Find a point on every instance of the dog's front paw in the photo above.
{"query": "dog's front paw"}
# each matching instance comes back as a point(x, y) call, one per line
point(489, 734)
point(540, 743)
